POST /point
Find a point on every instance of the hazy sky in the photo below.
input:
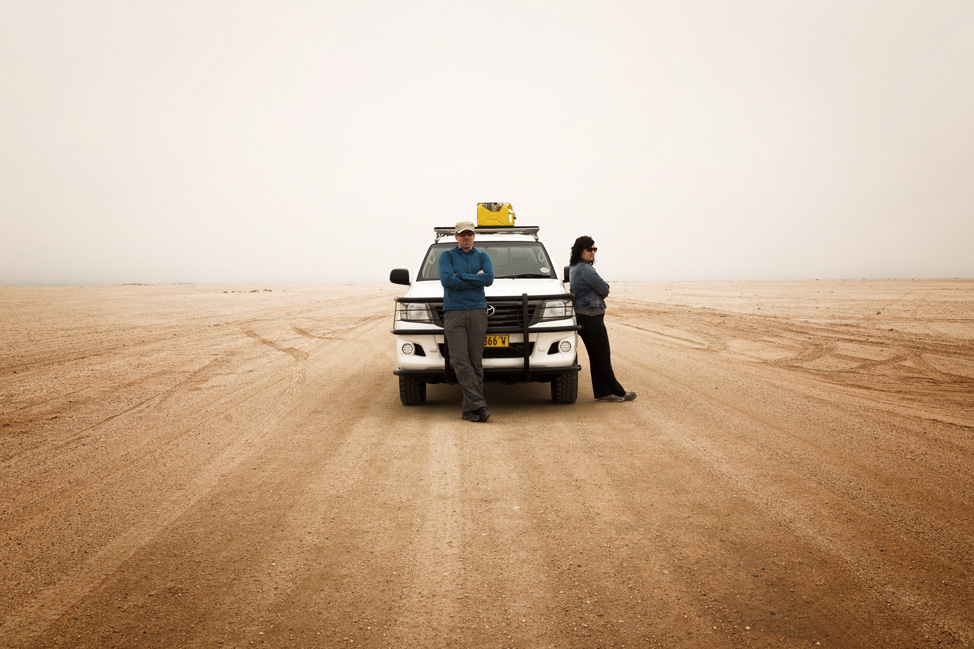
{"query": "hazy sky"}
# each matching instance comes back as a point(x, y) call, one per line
point(320, 141)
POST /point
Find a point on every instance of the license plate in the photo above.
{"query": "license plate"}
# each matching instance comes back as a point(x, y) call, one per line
point(495, 341)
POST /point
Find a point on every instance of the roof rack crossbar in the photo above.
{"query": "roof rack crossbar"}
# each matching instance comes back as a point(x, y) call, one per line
point(505, 229)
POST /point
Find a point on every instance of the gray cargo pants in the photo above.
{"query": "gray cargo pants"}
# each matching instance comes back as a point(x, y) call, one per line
point(464, 331)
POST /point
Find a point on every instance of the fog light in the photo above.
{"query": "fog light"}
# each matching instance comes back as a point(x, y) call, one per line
point(566, 346)
point(407, 349)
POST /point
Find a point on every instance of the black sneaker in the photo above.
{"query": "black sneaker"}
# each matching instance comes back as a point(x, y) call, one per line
point(470, 415)
point(483, 414)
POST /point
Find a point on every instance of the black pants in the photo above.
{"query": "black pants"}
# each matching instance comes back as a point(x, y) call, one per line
point(596, 340)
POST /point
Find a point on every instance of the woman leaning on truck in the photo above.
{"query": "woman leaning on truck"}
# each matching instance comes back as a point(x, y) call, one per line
point(590, 292)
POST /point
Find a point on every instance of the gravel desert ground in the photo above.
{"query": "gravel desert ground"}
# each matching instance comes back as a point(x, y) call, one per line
point(230, 466)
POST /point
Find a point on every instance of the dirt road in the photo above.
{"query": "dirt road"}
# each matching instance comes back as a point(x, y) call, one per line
point(201, 466)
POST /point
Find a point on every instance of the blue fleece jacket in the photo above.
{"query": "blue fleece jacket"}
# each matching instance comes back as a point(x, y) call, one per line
point(463, 286)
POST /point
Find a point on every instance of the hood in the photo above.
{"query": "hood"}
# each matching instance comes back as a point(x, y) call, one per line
point(500, 287)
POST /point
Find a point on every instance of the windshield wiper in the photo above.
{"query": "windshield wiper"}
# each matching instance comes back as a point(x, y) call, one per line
point(526, 275)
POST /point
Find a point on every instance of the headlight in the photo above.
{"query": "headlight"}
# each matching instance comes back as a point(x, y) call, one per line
point(415, 312)
point(407, 349)
point(566, 346)
point(556, 310)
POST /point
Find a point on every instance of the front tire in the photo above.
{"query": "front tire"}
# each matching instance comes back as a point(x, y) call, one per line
point(412, 391)
point(564, 388)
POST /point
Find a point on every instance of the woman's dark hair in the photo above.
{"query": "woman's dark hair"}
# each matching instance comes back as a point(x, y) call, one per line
point(581, 244)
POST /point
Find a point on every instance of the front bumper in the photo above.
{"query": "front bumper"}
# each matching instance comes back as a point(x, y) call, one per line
point(543, 361)
point(536, 353)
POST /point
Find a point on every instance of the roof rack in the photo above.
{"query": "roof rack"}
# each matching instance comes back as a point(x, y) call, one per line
point(515, 229)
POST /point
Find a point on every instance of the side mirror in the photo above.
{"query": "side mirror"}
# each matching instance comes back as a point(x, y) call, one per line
point(568, 273)
point(399, 276)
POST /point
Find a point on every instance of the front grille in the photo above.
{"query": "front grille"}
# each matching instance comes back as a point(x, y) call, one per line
point(507, 316)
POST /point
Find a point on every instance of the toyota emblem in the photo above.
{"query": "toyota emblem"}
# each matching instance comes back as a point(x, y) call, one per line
point(490, 310)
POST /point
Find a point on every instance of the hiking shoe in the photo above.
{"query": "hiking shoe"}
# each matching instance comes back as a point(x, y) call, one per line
point(614, 398)
point(629, 396)
point(483, 414)
point(470, 415)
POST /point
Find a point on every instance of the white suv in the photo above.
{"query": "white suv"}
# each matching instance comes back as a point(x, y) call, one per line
point(531, 329)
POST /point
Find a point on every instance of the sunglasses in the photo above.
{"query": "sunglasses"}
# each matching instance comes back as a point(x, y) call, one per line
point(592, 249)
point(465, 234)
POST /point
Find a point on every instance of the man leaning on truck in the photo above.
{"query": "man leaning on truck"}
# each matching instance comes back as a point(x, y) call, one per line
point(464, 272)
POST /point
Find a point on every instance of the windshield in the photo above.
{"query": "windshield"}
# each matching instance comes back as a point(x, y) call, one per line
point(509, 258)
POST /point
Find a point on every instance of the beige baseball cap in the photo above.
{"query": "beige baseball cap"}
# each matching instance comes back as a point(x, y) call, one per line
point(464, 226)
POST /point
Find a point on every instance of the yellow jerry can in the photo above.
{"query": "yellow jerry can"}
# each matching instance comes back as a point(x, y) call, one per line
point(495, 214)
